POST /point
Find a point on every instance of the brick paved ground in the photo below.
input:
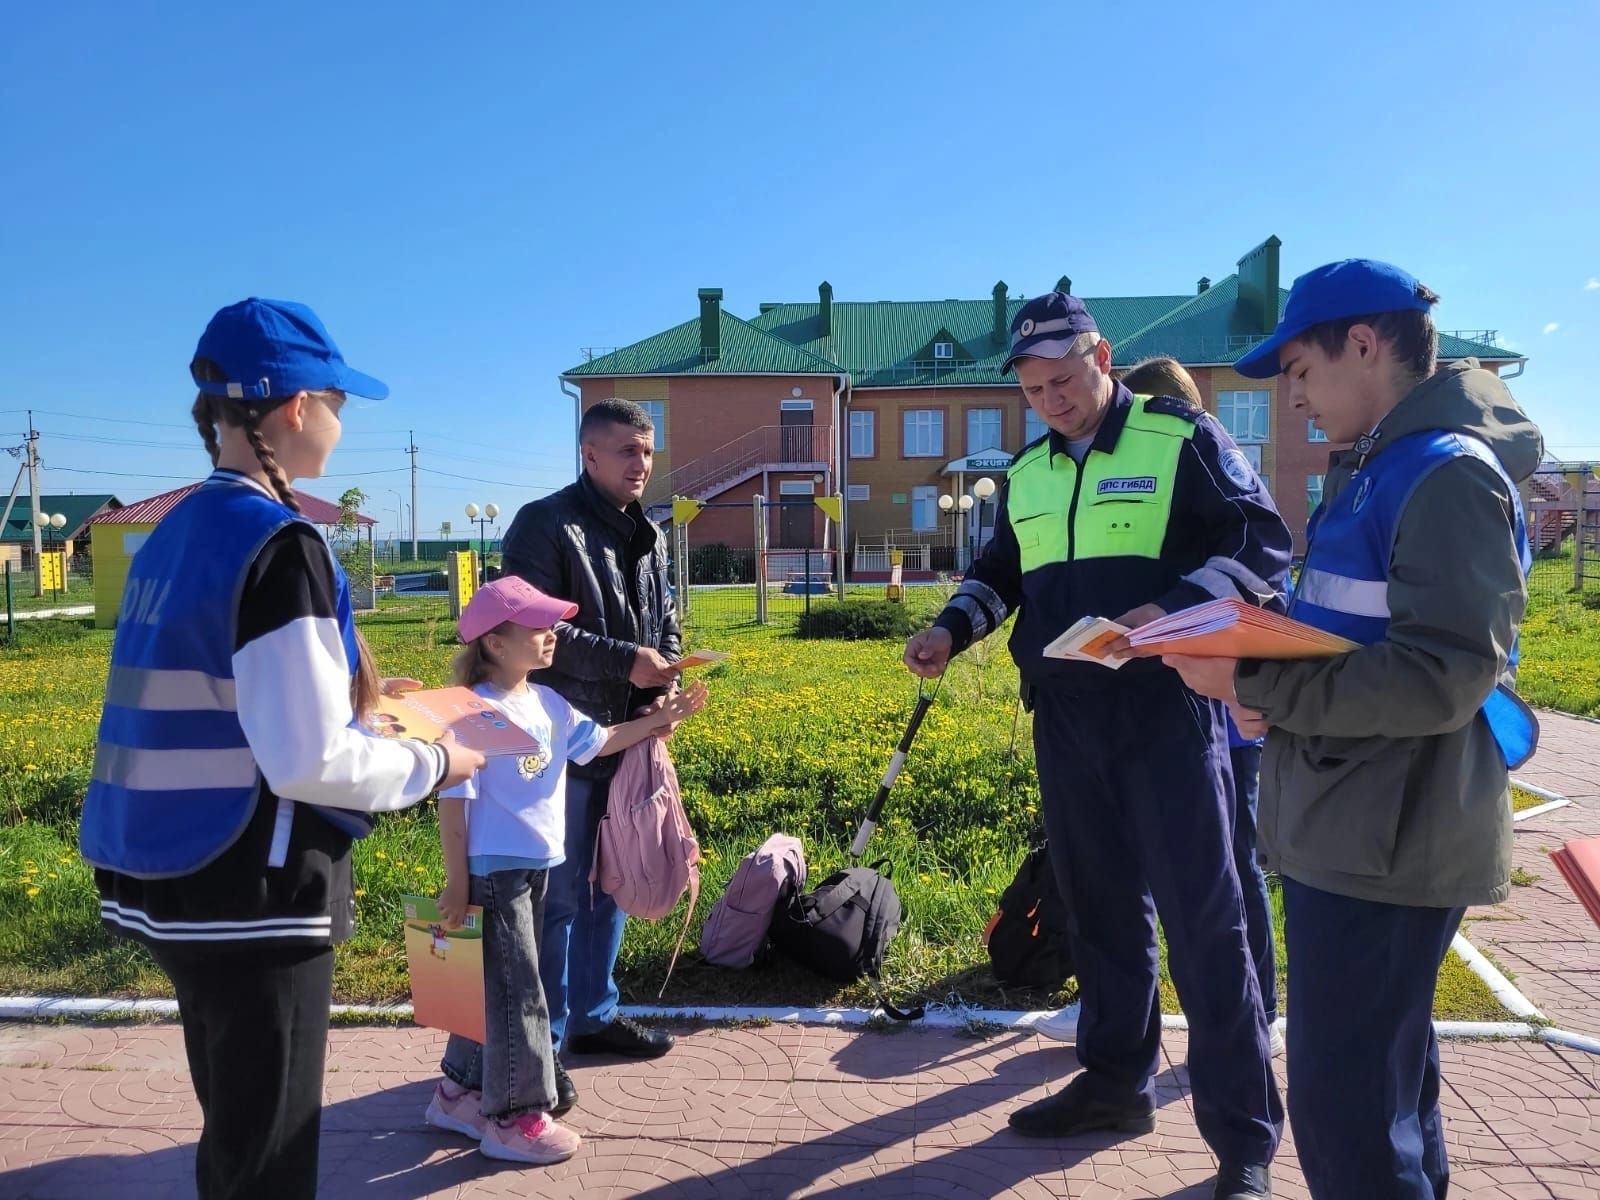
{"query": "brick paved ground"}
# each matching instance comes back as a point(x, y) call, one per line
point(88, 1111)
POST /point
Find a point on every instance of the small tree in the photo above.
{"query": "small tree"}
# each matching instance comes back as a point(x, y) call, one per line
point(353, 556)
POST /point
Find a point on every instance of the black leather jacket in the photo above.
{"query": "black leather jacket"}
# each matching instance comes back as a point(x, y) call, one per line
point(612, 564)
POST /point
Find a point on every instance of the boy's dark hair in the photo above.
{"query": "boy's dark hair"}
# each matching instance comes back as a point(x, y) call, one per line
point(614, 412)
point(1413, 335)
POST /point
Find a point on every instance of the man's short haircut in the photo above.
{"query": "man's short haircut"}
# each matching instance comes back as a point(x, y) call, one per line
point(1412, 334)
point(614, 412)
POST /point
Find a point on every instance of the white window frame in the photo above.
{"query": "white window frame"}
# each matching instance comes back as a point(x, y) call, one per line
point(1314, 484)
point(922, 433)
point(856, 492)
point(795, 406)
point(869, 426)
point(657, 411)
point(797, 487)
point(944, 349)
point(998, 415)
point(1313, 434)
point(1033, 426)
point(925, 501)
point(1252, 451)
point(1257, 409)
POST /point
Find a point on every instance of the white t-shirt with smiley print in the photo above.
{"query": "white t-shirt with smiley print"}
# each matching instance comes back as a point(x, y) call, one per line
point(517, 804)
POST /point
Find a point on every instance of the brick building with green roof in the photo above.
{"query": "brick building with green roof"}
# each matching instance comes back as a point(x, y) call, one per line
point(893, 403)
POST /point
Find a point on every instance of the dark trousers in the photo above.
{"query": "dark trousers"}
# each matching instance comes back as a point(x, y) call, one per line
point(1363, 1058)
point(1138, 804)
point(1257, 908)
point(255, 1028)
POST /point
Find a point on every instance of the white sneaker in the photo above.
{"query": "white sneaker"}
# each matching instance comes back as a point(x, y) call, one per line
point(530, 1138)
point(1275, 1039)
point(463, 1114)
point(1062, 1024)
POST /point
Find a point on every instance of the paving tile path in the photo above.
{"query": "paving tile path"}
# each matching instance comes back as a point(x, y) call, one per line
point(97, 1110)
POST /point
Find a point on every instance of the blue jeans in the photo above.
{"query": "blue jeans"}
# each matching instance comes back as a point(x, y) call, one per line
point(515, 1066)
point(1363, 1058)
point(1257, 908)
point(582, 925)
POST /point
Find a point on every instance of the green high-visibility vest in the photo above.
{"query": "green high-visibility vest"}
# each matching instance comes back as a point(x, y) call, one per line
point(1116, 505)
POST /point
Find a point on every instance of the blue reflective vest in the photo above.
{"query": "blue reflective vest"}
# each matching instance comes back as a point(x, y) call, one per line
point(1344, 587)
point(175, 782)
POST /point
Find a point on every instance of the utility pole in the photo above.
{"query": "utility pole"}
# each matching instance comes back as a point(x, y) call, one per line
point(411, 449)
point(37, 501)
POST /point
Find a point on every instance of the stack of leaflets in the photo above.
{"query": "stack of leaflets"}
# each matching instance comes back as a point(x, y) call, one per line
point(476, 722)
point(1579, 864)
point(1218, 629)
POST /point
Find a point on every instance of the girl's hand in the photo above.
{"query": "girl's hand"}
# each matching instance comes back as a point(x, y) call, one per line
point(681, 705)
point(399, 685)
point(461, 764)
point(453, 904)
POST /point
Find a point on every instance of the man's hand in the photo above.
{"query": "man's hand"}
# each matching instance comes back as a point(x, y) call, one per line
point(650, 670)
point(928, 653)
point(1211, 677)
point(1250, 724)
point(1131, 620)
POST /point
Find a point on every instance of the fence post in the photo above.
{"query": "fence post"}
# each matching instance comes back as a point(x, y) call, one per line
point(1579, 529)
point(759, 504)
point(808, 583)
point(680, 553)
point(11, 617)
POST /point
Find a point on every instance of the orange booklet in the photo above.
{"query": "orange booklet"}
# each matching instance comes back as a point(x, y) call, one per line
point(446, 968)
point(1579, 864)
point(701, 658)
point(1237, 629)
point(476, 722)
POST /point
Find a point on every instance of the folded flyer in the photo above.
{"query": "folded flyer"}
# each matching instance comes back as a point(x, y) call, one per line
point(446, 967)
point(476, 722)
point(1086, 641)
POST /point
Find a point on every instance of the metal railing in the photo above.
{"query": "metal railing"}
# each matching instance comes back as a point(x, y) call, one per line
point(793, 446)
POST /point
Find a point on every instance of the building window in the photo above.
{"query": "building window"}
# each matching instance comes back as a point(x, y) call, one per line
point(1252, 451)
point(656, 410)
point(925, 508)
point(1313, 493)
point(944, 350)
point(858, 491)
point(863, 434)
point(1313, 434)
point(924, 433)
point(983, 429)
point(1033, 427)
point(1245, 415)
point(796, 487)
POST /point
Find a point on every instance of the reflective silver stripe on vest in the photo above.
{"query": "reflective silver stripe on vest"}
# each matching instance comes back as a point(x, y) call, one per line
point(174, 770)
point(1340, 593)
point(169, 691)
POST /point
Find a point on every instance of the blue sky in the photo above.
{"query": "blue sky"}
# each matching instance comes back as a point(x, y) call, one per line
point(470, 194)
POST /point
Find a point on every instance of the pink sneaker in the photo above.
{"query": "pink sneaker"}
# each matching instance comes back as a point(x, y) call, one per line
point(462, 1113)
point(530, 1138)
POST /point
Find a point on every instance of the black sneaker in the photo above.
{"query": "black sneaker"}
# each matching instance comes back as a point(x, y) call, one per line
point(1242, 1183)
point(1072, 1111)
point(566, 1092)
point(624, 1038)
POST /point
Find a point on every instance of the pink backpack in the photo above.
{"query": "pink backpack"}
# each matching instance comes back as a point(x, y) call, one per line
point(646, 856)
point(765, 878)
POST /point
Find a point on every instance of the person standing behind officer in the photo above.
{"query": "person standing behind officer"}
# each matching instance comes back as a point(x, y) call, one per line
point(592, 543)
point(1386, 806)
point(1131, 507)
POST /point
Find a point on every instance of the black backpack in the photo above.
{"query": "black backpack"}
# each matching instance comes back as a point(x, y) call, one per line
point(843, 928)
point(1027, 939)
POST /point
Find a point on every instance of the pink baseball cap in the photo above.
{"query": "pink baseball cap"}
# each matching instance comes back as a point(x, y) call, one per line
point(511, 599)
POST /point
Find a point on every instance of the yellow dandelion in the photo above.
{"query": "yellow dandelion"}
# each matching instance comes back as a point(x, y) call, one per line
point(32, 892)
point(381, 854)
point(422, 870)
point(361, 891)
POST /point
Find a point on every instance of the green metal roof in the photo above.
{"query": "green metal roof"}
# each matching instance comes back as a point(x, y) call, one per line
point(76, 509)
point(888, 343)
point(745, 350)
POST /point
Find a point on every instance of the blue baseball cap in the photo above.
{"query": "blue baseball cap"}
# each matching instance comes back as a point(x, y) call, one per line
point(1354, 287)
point(1047, 327)
point(271, 349)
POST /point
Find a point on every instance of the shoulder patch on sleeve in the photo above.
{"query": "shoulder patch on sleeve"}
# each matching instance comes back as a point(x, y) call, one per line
point(1237, 468)
point(1173, 406)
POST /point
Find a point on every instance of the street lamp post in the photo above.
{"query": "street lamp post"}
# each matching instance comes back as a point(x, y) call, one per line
point(958, 510)
point(483, 516)
point(46, 523)
point(983, 489)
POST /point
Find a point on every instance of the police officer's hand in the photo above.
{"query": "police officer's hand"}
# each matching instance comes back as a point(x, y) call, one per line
point(1131, 620)
point(928, 653)
point(461, 764)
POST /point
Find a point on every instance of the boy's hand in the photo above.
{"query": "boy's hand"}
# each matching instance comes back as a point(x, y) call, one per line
point(1211, 677)
point(453, 904)
point(1250, 724)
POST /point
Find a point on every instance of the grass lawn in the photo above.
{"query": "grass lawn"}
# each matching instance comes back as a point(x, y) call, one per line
point(79, 590)
point(1560, 642)
point(795, 739)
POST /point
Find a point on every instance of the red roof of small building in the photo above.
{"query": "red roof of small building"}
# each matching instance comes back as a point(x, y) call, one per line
point(150, 512)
